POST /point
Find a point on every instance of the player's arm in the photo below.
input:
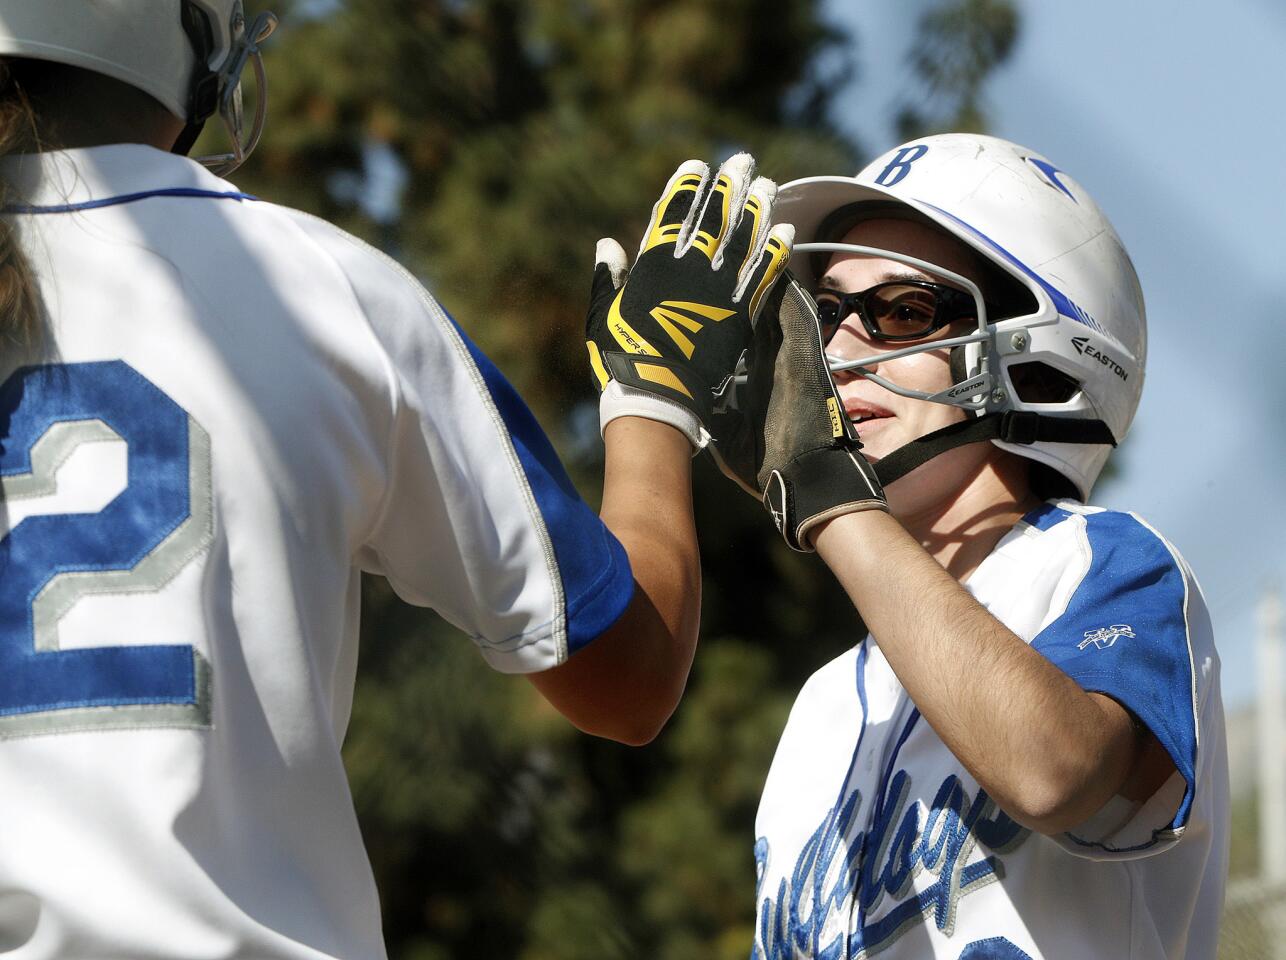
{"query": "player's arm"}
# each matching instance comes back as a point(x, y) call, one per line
point(1048, 752)
point(664, 339)
point(472, 514)
point(626, 684)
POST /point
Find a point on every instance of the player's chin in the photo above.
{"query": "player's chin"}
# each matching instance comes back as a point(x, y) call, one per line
point(911, 493)
point(881, 436)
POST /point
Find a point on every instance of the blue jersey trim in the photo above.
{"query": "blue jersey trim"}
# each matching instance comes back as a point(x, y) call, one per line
point(860, 676)
point(1062, 302)
point(994, 948)
point(1133, 582)
point(1108, 848)
point(27, 208)
point(860, 679)
point(1046, 516)
point(594, 568)
point(868, 881)
point(861, 730)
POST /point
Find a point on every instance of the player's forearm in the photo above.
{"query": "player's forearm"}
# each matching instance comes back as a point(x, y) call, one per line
point(1049, 753)
point(647, 504)
point(627, 682)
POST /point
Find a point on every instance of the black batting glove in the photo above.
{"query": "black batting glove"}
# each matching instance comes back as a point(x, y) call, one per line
point(664, 337)
point(789, 441)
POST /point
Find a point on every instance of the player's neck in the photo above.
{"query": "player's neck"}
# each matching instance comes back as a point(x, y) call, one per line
point(76, 108)
point(73, 135)
point(962, 531)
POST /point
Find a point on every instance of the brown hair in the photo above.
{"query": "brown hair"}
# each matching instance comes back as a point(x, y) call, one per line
point(20, 311)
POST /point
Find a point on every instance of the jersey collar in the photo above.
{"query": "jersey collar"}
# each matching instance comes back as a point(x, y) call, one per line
point(64, 180)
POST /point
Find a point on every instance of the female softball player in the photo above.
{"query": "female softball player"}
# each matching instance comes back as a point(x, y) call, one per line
point(215, 413)
point(1025, 757)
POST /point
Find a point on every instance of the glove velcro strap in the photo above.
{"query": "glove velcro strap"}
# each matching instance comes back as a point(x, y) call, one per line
point(816, 487)
point(666, 378)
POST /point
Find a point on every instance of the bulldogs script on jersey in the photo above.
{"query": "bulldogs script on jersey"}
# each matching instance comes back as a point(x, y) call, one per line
point(874, 840)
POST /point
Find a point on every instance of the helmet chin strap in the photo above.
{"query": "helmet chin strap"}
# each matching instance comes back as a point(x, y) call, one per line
point(219, 91)
point(204, 97)
point(187, 139)
point(1009, 426)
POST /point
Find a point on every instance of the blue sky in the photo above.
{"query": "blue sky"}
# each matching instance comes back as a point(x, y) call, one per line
point(1170, 117)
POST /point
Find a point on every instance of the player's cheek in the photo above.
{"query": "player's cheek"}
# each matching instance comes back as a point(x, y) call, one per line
point(929, 372)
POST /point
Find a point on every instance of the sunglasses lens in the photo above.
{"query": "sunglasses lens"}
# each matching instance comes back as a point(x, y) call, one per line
point(902, 310)
point(828, 313)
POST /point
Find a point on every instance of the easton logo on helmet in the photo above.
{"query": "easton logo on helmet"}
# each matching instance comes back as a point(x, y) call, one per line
point(1082, 345)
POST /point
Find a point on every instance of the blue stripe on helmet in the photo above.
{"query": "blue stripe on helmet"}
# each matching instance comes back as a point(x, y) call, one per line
point(1062, 302)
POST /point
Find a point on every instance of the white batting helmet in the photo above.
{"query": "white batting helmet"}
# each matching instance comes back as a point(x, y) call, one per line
point(187, 54)
point(1074, 311)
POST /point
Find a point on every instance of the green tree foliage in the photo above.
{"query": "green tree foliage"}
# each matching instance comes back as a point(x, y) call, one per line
point(530, 128)
point(958, 45)
point(526, 131)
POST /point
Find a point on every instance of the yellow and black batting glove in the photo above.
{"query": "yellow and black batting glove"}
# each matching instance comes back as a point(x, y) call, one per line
point(664, 337)
point(789, 441)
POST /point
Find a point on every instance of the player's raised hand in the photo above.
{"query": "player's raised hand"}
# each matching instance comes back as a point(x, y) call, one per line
point(664, 336)
point(789, 441)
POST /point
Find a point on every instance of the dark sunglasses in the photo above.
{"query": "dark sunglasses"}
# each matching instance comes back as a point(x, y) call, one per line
point(896, 309)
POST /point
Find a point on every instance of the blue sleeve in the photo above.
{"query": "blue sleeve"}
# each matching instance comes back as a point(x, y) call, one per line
point(597, 581)
point(1125, 634)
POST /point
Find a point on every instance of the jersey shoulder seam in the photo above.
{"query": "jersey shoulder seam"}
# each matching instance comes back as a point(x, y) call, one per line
point(396, 404)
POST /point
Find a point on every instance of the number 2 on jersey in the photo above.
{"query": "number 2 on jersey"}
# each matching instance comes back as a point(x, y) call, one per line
point(137, 543)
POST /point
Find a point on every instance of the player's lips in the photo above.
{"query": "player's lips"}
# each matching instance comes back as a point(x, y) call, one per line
point(863, 412)
point(868, 418)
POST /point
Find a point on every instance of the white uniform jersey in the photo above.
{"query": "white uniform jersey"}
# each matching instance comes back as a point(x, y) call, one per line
point(874, 840)
point(243, 408)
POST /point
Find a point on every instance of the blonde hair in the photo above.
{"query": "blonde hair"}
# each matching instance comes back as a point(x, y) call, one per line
point(20, 311)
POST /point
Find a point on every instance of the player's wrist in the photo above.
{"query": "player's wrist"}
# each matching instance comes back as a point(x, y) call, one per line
point(864, 530)
point(619, 400)
point(647, 437)
point(647, 479)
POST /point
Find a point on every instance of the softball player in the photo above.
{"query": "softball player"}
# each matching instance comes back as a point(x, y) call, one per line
point(214, 414)
point(1025, 758)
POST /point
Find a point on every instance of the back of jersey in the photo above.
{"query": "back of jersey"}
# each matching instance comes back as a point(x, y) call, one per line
point(192, 477)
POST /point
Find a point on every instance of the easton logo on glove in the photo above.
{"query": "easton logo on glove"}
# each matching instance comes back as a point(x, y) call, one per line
point(669, 315)
point(664, 337)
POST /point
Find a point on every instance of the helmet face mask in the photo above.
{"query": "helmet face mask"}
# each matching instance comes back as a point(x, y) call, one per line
point(244, 50)
point(1075, 314)
point(974, 391)
point(189, 55)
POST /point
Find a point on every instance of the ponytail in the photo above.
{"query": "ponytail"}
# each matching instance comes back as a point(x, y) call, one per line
point(20, 311)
